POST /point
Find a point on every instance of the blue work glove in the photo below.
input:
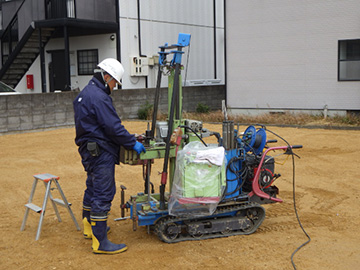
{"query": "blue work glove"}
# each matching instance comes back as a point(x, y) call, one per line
point(139, 147)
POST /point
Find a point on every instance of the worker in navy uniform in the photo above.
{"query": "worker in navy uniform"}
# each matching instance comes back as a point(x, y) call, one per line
point(99, 135)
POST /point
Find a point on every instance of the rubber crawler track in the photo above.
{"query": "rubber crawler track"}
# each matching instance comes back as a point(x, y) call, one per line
point(163, 224)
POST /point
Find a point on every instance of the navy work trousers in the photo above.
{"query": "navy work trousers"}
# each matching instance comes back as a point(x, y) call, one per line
point(100, 182)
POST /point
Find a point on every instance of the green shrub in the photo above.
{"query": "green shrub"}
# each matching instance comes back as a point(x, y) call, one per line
point(202, 108)
point(145, 111)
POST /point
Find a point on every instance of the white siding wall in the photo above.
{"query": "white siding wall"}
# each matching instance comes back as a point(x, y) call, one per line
point(161, 22)
point(35, 71)
point(282, 54)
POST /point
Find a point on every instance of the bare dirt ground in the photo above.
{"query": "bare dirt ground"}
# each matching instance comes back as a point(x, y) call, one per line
point(327, 192)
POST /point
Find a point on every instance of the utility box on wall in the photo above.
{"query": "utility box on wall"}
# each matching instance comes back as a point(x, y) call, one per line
point(30, 82)
point(139, 66)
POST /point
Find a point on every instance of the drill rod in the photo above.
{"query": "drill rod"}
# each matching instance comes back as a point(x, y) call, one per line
point(157, 97)
point(167, 150)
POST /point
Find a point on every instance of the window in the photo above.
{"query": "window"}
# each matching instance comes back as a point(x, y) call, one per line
point(349, 60)
point(87, 61)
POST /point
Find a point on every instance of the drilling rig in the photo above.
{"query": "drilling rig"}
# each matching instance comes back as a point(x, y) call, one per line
point(215, 190)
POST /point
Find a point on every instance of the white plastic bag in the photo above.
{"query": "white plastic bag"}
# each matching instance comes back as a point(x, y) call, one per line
point(199, 180)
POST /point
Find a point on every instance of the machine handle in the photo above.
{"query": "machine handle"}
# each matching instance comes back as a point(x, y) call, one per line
point(122, 205)
point(296, 146)
point(255, 183)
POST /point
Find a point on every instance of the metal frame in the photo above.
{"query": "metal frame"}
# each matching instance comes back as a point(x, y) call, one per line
point(47, 180)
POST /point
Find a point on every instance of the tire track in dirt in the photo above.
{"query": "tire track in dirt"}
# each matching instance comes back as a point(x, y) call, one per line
point(281, 217)
point(326, 200)
point(287, 223)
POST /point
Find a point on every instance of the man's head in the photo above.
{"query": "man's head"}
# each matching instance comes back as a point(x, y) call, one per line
point(113, 72)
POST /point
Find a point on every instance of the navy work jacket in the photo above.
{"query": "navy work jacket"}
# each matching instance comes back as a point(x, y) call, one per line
point(97, 121)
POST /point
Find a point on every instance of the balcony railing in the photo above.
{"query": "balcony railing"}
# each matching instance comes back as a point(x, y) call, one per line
point(60, 9)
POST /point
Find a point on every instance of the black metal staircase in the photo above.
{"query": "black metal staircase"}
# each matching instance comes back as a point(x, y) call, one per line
point(24, 54)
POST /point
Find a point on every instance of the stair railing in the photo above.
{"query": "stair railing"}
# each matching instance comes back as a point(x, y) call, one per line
point(9, 37)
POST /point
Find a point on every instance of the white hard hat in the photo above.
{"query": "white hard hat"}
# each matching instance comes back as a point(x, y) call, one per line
point(113, 67)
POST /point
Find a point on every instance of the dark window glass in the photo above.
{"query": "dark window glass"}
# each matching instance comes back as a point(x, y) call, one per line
point(349, 60)
point(87, 61)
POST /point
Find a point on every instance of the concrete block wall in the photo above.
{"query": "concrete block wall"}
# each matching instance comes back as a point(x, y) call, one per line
point(48, 110)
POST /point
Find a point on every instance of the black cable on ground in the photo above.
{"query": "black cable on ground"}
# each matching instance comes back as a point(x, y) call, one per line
point(294, 200)
point(297, 217)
